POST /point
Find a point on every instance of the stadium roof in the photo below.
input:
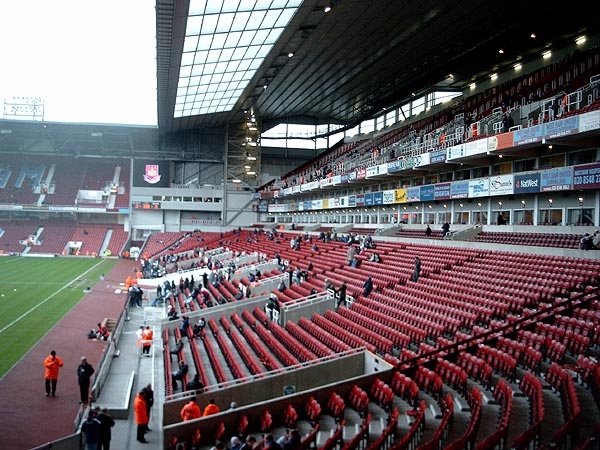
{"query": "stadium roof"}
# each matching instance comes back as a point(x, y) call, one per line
point(357, 58)
point(342, 66)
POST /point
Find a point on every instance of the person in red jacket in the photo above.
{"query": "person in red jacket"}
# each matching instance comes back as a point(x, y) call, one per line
point(141, 417)
point(52, 363)
point(102, 332)
point(190, 410)
point(147, 339)
point(211, 408)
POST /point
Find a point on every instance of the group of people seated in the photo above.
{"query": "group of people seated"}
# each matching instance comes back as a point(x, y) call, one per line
point(590, 241)
point(101, 332)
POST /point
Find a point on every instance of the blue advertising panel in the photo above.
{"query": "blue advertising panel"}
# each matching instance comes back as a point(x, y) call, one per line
point(427, 193)
point(527, 183)
point(556, 179)
point(413, 194)
point(437, 156)
point(378, 198)
point(459, 189)
point(561, 127)
point(527, 135)
point(393, 166)
point(368, 199)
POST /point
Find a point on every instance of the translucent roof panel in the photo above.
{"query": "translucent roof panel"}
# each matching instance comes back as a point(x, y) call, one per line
point(226, 41)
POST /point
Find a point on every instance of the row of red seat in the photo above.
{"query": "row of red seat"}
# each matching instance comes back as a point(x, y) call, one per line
point(443, 428)
point(499, 360)
point(531, 386)
point(452, 374)
point(341, 333)
point(525, 355)
point(429, 381)
point(561, 382)
point(477, 368)
point(311, 343)
point(299, 351)
point(467, 440)
point(382, 394)
point(276, 347)
point(503, 395)
point(242, 348)
point(333, 342)
point(405, 388)
point(388, 326)
point(380, 343)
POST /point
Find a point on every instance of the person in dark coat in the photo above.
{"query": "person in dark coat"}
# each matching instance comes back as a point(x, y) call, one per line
point(91, 430)
point(84, 375)
point(106, 423)
point(341, 292)
point(368, 287)
point(417, 270)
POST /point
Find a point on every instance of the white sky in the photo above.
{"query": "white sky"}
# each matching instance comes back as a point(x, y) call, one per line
point(91, 61)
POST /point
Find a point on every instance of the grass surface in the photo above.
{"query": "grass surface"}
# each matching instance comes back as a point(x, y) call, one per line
point(35, 293)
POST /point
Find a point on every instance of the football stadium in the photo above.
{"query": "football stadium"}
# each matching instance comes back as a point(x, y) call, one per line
point(356, 225)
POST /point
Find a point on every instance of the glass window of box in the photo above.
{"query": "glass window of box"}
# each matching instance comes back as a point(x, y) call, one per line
point(505, 214)
point(552, 161)
point(583, 157)
point(480, 172)
point(480, 217)
point(524, 165)
point(523, 217)
point(502, 168)
point(580, 216)
point(550, 216)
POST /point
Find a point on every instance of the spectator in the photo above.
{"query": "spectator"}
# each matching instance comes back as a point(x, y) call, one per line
point(177, 349)
point(291, 440)
point(250, 443)
point(199, 328)
point(211, 408)
point(281, 286)
point(235, 443)
point(445, 228)
point(147, 339)
point(171, 313)
point(270, 443)
point(417, 270)
point(148, 395)
point(141, 417)
point(329, 285)
point(102, 332)
point(106, 423)
point(341, 294)
point(428, 231)
point(190, 410)
point(84, 375)
point(184, 326)
point(91, 431)
point(368, 286)
point(180, 374)
point(52, 363)
point(195, 384)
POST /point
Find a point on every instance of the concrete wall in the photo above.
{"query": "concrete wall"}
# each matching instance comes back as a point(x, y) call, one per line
point(317, 379)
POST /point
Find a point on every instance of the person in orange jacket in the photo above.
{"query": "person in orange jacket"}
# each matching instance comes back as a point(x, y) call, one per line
point(190, 410)
point(211, 408)
point(141, 416)
point(147, 338)
point(52, 363)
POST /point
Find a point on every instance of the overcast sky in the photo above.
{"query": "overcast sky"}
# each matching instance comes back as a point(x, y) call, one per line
point(91, 61)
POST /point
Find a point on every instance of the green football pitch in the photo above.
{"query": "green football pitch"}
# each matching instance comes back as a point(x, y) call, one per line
point(35, 293)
